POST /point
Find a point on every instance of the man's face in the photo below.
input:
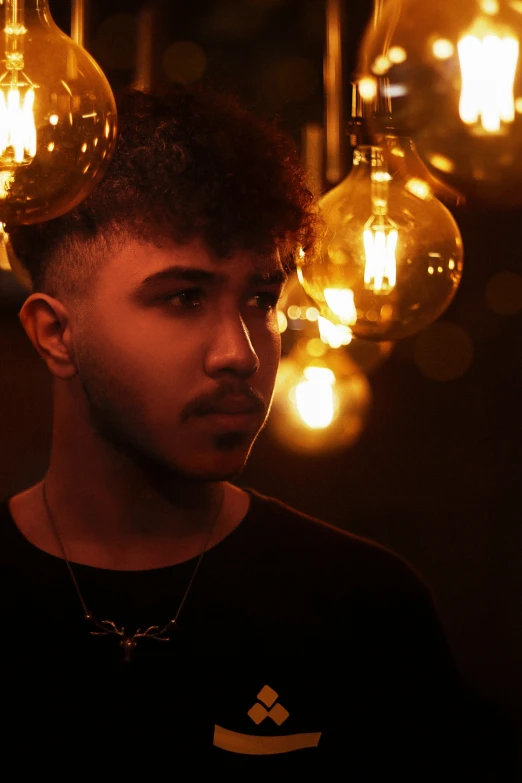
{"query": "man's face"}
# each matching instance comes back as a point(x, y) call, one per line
point(178, 355)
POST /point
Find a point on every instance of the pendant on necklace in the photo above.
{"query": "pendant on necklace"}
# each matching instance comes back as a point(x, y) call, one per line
point(129, 643)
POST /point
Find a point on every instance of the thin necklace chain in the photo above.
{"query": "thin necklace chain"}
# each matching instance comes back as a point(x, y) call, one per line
point(128, 642)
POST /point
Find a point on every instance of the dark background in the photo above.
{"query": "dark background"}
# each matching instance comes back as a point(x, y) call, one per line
point(436, 474)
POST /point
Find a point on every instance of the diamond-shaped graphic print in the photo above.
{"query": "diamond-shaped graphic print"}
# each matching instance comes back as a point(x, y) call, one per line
point(278, 714)
point(267, 695)
point(258, 713)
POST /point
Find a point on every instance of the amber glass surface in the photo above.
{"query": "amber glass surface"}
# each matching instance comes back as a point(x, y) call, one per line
point(74, 116)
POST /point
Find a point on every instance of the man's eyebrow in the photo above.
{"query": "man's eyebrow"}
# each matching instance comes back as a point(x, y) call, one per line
point(194, 275)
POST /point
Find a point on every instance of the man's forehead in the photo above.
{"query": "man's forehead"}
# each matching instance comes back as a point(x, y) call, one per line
point(147, 261)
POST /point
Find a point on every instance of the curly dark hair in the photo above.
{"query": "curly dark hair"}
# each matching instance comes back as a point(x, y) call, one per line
point(188, 163)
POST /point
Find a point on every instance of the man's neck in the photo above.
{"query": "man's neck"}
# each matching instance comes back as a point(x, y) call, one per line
point(95, 531)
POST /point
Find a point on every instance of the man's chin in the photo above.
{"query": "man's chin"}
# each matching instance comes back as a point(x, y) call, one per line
point(224, 462)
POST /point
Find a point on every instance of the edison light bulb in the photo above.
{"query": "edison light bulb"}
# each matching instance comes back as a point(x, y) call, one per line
point(321, 399)
point(456, 89)
point(57, 117)
point(391, 258)
point(299, 320)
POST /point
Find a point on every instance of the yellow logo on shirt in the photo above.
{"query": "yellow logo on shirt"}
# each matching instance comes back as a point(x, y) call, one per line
point(252, 744)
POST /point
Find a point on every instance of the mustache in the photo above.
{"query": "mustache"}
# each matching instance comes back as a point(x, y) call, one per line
point(205, 401)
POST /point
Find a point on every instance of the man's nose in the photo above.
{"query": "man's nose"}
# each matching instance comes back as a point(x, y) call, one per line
point(230, 348)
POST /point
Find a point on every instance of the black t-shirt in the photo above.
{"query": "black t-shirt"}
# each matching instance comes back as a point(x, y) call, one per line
point(301, 650)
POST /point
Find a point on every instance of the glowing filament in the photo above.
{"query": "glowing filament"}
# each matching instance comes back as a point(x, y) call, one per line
point(334, 335)
point(315, 397)
point(381, 265)
point(340, 301)
point(17, 126)
point(488, 66)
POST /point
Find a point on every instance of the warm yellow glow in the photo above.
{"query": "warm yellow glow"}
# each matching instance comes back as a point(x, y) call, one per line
point(282, 321)
point(6, 179)
point(314, 347)
point(312, 313)
point(490, 7)
point(334, 335)
point(315, 397)
point(397, 55)
point(418, 187)
point(381, 176)
point(4, 259)
point(380, 271)
point(53, 119)
point(443, 49)
point(381, 65)
point(17, 127)
point(488, 65)
point(442, 163)
point(50, 146)
point(367, 88)
point(340, 301)
point(451, 264)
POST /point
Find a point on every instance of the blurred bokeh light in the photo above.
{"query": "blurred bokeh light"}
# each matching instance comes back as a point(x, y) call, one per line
point(184, 61)
point(321, 400)
point(504, 293)
point(443, 351)
point(114, 42)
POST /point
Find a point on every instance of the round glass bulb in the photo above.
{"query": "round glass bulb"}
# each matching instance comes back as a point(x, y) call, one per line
point(402, 159)
point(57, 117)
point(453, 75)
point(321, 400)
point(390, 261)
point(300, 321)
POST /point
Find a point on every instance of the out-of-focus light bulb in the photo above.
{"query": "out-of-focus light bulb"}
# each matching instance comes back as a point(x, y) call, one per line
point(321, 399)
point(391, 259)
point(334, 335)
point(340, 302)
point(319, 334)
point(57, 117)
point(314, 397)
point(488, 65)
point(457, 92)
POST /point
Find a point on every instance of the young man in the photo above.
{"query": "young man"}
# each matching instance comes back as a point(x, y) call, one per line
point(156, 616)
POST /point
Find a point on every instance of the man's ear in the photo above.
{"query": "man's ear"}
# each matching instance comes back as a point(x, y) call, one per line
point(48, 326)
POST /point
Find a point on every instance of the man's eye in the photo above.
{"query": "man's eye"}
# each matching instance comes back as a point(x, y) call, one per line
point(188, 299)
point(266, 300)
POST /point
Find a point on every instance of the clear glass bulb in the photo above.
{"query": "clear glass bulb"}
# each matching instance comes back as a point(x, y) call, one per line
point(402, 159)
point(453, 74)
point(391, 258)
point(57, 117)
point(299, 319)
point(321, 399)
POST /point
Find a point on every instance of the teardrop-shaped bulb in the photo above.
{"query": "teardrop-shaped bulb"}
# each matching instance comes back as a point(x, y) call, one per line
point(452, 72)
point(57, 117)
point(391, 258)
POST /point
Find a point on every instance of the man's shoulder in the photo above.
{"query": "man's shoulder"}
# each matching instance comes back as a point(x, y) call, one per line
point(317, 544)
